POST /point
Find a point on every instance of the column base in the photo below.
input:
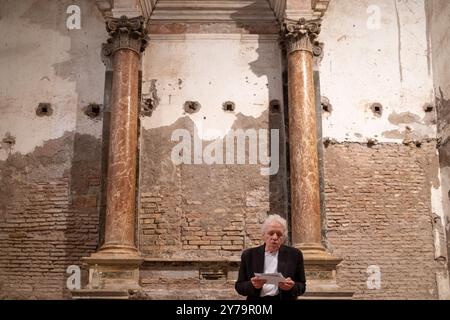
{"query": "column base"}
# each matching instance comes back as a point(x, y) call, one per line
point(113, 273)
point(320, 270)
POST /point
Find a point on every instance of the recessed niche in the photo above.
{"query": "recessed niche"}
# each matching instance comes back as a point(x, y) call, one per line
point(428, 108)
point(93, 110)
point(377, 109)
point(9, 139)
point(147, 107)
point(326, 105)
point(275, 106)
point(44, 109)
point(191, 106)
point(371, 142)
point(228, 106)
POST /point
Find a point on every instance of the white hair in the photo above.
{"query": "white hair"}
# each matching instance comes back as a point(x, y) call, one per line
point(277, 219)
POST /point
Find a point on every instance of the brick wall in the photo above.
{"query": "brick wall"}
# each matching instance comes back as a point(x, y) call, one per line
point(378, 209)
point(202, 210)
point(377, 204)
point(191, 223)
point(49, 218)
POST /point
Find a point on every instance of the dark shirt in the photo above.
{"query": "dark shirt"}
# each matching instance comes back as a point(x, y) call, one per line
point(290, 264)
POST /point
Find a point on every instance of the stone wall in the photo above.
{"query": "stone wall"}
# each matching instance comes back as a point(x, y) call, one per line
point(49, 216)
point(379, 214)
point(438, 15)
point(50, 162)
point(377, 76)
point(178, 217)
point(199, 209)
point(385, 192)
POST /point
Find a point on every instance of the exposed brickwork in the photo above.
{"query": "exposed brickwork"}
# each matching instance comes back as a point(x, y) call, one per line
point(222, 227)
point(48, 222)
point(158, 224)
point(257, 206)
point(202, 210)
point(377, 203)
point(378, 208)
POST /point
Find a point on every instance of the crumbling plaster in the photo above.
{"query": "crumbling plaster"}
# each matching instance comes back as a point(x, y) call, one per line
point(43, 61)
point(438, 29)
point(369, 60)
point(211, 69)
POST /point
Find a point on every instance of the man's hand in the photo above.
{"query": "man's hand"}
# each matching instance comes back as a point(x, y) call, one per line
point(286, 285)
point(257, 282)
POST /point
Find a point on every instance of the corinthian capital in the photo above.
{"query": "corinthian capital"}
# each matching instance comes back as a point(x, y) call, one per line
point(126, 34)
point(301, 35)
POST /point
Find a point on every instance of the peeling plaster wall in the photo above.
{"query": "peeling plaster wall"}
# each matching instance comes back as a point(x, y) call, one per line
point(381, 54)
point(438, 30)
point(177, 217)
point(49, 166)
point(378, 202)
point(211, 69)
point(365, 62)
point(43, 61)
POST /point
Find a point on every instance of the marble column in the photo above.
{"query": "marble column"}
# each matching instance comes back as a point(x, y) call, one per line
point(320, 265)
point(116, 265)
point(126, 44)
point(299, 38)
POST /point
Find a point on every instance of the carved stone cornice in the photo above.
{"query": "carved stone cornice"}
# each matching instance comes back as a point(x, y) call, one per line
point(302, 35)
point(126, 33)
point(210, 11)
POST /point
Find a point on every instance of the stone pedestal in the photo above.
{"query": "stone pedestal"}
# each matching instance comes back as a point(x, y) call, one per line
point(189, 278)
point(110, 277)
point(320, 272)
point(114, 269)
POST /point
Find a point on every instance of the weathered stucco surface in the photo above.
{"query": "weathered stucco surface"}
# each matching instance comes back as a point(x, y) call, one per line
point(50, 166)
point(178, 217)
point(382, 57)
point(43, 61)
point(386, 187)
point(438, 29)
point(211, 69)
point(378, 54)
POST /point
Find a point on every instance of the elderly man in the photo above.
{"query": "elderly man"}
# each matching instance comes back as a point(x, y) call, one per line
point(272, 257)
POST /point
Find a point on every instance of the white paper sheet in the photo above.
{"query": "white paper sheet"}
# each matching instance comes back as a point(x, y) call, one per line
point(271, 278)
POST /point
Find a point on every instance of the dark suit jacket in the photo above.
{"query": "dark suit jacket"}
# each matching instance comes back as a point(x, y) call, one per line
point(290, 264)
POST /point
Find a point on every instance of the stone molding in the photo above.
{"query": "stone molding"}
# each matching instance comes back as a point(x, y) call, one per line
point(208, 11)
point(125, 33)
point(146, 8)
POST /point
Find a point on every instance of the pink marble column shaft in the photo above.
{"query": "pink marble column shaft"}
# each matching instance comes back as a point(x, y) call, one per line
point(127, 41)
point(121, 190)
point(304, 163)
point(305, 196)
